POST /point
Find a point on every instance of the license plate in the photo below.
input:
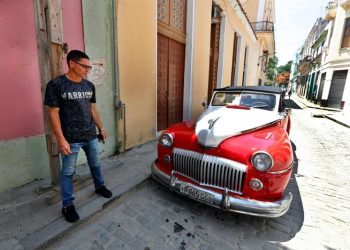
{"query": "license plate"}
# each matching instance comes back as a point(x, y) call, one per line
point(196, 194)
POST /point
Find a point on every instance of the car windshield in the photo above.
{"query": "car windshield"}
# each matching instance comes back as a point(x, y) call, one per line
point(258, 100)
point(224, 98)
point(249, 99)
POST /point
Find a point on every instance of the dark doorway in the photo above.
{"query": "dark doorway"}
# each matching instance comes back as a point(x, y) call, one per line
point(337, 88)
point(320, 91)
point(234, 59)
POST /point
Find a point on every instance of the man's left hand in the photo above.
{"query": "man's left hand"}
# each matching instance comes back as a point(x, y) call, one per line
point(104, 135)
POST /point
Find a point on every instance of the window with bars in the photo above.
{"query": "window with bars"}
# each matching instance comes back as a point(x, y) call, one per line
point(346, 34)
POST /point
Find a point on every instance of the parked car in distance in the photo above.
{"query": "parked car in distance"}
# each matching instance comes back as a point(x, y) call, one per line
point(237, 156)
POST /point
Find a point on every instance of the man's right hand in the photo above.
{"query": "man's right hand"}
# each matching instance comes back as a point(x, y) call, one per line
point(64, 147)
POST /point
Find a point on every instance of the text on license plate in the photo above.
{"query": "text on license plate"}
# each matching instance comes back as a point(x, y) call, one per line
point(196, 194)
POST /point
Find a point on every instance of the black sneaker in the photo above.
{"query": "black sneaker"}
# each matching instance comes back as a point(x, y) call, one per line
point(103, 191)
point(70, 214)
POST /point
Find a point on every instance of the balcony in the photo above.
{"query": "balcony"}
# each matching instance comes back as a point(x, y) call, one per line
point(263, 26)
point(305, 65)
point(345, 4)
point(331, 10)
point(307, 58)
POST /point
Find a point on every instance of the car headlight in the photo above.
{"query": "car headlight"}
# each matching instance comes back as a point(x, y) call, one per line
point(262, 161)
point(256, 184)
point(166, 140)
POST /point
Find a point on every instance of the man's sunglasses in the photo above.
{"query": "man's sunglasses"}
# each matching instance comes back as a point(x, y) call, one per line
point(84, 66)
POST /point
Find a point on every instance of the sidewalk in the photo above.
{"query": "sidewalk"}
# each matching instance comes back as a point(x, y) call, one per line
point(28, 222)
point(335, 115)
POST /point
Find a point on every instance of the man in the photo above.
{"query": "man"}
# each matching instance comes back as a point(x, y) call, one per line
point(71, 101)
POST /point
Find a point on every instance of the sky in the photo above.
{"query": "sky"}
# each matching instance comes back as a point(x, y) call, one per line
point(294, 21)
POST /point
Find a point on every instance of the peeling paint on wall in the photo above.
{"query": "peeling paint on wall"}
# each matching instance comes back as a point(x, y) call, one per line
point(97, 74)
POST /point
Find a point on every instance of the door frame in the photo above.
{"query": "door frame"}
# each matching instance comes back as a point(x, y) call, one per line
point(49, 34)
point(215, 28)
point(222, 44)
point(189, 59)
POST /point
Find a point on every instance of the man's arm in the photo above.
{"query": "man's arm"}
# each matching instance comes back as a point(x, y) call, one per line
point(98, 121)
point(57, 130)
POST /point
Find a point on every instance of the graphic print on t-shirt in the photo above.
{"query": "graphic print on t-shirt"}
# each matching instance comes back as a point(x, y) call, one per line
point(76, 95)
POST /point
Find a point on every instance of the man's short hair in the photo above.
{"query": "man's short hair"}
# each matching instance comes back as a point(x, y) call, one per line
point(76, 55)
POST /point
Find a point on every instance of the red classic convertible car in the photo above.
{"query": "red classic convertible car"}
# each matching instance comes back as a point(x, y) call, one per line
point(237, 156)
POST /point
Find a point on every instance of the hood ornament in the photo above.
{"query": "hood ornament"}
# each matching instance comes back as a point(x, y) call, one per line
point(212, 122)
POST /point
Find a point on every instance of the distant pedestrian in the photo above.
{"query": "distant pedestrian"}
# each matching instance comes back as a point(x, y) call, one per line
point(71, 102)
point(290, 93)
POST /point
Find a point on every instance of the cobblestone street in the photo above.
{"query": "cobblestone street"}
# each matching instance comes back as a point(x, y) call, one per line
point(151, 217)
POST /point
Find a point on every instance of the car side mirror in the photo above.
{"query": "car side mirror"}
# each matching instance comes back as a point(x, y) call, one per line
point(204, 104)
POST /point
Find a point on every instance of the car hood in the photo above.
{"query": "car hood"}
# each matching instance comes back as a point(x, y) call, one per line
point(213, 127)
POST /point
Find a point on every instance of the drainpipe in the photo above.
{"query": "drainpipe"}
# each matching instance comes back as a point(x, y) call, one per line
point(118, 105)
point(115, 71)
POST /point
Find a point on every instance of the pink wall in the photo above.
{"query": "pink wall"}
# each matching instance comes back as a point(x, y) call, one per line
point(21, 113)
point(21, 110)
point(73, 33)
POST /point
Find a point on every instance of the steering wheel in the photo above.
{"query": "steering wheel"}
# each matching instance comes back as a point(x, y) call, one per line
point(259, 104)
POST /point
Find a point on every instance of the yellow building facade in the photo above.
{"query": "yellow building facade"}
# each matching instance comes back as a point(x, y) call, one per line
point(334, 70)
point(136, 33)
point(172, 53)
point(261, 14)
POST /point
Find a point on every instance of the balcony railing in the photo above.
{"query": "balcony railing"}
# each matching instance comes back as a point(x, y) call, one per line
point(345, 4)
point(332, 4)
point(263, 26)
point(331, 10)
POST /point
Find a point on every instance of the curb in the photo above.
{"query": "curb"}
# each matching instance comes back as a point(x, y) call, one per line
point(305, 103)
point(52, 232)
point(337, 121)
point(311, 105)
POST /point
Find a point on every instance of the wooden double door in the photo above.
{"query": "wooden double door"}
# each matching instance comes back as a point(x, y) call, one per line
point(170, 61)
point(170, 81)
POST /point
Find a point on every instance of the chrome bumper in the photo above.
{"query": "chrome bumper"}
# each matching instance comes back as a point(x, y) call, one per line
point(226, 202)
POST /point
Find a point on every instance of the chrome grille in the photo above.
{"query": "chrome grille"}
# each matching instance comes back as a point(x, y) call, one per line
point(208, 170)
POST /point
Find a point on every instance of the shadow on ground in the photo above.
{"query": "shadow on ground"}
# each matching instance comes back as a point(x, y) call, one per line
point(289, 103)
point(285, 228)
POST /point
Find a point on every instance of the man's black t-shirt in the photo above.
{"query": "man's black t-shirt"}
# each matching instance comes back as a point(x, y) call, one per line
point(74, 103)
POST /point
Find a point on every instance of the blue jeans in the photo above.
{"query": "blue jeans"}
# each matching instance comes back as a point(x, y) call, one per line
point(91, 149)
